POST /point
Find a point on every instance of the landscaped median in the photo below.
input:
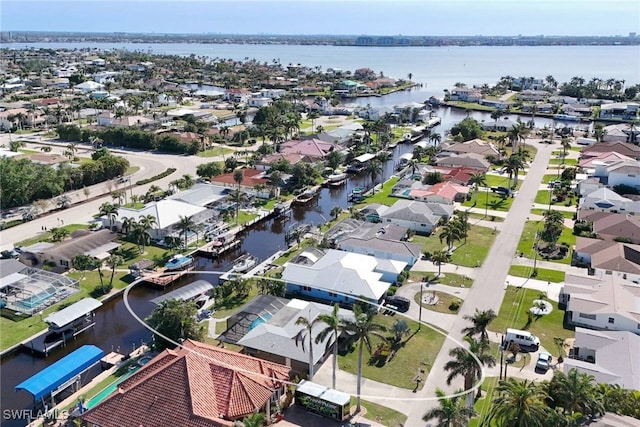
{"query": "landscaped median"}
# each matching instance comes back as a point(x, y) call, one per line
point(528, 240)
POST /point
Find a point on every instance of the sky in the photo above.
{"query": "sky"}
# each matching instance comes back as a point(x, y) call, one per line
point(344, 17)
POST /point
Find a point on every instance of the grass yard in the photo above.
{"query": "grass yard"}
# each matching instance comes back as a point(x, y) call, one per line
point(417, 353)
point(549, 177)
point(46, 236)
point(470, 254)
point(527, 240)
point(383, 196)
point(243, 217)
point(483, 405)
point(513, 314)
point(502, 181)
point(492, 201)
point(543, 273)
point(449, 279)
point(568, 162)
point(542, 196)
point(381, 414)
point(214, 152)
point(566, 214)
point(492, 218)
point(444, 301)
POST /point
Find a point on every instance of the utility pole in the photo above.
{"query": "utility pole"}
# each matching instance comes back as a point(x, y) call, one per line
point(420, 307)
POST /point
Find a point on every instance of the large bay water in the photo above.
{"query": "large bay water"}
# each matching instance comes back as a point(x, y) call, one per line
point(435, 68)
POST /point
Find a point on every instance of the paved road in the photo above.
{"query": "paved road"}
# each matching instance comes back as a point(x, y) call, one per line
point(488, 291)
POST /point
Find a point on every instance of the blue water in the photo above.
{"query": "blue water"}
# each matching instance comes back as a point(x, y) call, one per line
point(264, 318)
point(35, 300)
point(109, 389)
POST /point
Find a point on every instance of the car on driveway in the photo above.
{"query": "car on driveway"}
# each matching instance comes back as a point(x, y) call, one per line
point(544, 362)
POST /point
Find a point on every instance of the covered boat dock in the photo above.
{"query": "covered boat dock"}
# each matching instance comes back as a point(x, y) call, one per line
point(66, 372)
point(186, 293)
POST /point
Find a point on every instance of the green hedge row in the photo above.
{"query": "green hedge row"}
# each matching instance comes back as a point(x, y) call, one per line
point(156, 177)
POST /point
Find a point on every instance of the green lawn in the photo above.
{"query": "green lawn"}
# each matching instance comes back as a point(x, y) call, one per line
point(417, 352)
point(381, 414)
point(470, 254)
point(566, 214)
point(214, 152)
point(444, 301)
point(243, 217)
point(542, 196)
point(131, 170)
point(549, 177)
point(513, 314)
point(554, 276)
point(449, 279)
point(493, 201)
point(527, 239)
point(383, 196)
point(491, 218)
point(483, 405)
point(502, 181)
point(569, 162)
point(46, 236)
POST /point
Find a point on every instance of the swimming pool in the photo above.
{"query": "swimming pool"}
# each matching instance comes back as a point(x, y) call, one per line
point(35, 300)
point(261, 319)
point(109, 389)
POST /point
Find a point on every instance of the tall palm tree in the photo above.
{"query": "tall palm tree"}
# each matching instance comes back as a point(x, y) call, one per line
point(439, 258)
point(480, 322)
point(566, 145)
point(335, 212)
point(477, 180)
point(452, 411)
point(334, 327)
point(574, 392)
point(464, 364)
point(374, 168)
point(254, 420)
point(113, 261)
point(362, 329)
point(186, 224)
point(304, 334)
point(519, 403)
point(110, 211)
point(450, 232)
point(514, 165)
point(517, 133)
point(239, 197)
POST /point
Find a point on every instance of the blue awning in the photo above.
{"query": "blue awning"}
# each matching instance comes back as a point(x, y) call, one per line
point(61, 371)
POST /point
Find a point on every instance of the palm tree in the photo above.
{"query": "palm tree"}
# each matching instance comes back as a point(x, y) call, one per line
point(374, 168)
point(450, 232)
point(519, 404)
point(439, 258)
point(517, 133)
point(362, 329)
point(464, 364)
point(239, 197)
point(481, 321)
point(187, 181)
point(186, 224)
point(452, 411)
point(574, 392)
point(306, 333)
point(110, 211)
point(514, 165)
point(477, 180)
point(128, 224)
point(113, 261)
point(566, 145)
point(334, 327)
point(254, 420)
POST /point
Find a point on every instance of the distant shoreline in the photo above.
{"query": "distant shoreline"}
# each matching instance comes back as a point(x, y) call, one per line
point(11, 37)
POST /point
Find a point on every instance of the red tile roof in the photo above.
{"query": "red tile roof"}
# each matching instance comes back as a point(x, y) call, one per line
point(195, 386)
point(251, 177)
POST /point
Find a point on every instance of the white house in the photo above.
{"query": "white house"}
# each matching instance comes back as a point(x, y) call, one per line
point(619, 172)
point(465, 94)
point(259, 101)
point(603, 303)
point(89, 86)
point(605, 200)
point(419, 216)
point(383, 242)
point(272, 93)
point(340, 277)
point(610, 258)
point(610, 356)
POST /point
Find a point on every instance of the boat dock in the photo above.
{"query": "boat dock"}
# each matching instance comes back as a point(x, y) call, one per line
point(433, 122)
point(258, 270)
point(212, 251)
point(162, 280)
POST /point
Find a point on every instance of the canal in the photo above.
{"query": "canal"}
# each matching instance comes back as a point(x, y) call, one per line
point(117, 330)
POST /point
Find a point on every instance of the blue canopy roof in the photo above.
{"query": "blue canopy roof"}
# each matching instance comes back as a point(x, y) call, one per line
point(61, 371)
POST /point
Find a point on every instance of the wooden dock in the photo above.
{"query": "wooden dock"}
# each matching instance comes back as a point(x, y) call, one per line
point(211, 251)
point(162, 280)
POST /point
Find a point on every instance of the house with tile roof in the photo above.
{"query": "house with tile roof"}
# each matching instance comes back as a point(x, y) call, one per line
point(477, 146)
point(442, 192)
point(602, 303)
point(610, 226)
point(468, 160)
point(624, 148)
point(250, 178)
point(380, 241)
point(609, 356)
point(267, 161)
point(588, 164)
point(273, 339)
point(197, 385)
point(315, 149)
point(609, 257)
point(334, 276)
point(421, 217)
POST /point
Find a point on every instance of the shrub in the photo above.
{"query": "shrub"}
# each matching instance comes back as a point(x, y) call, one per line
point(622, 239)
point(455, 305)
point(156, 177)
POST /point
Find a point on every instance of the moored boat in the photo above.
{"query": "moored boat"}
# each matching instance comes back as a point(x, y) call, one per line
point(244, 263)
point(178, 262)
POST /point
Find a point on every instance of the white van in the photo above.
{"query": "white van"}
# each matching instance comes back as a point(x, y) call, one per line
point(522, 338)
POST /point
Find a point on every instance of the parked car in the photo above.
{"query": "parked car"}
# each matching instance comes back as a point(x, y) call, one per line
point(544, 362)
point(501, 190)
point(397, 302)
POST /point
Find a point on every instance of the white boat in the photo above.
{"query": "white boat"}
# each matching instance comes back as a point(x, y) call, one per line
point(244, 263)
point(567, 117)
point(335, 177)
point(178, 262)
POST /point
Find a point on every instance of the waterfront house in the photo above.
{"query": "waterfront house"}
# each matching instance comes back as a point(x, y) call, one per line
point(500, 125)
point(373, 212)
point(265, 163)
point(609, 356)
point(97, 244)
point(469, 160)
point(250, 178)
point(421, 217)
point(203, 194)
point(196, 385)
point(315, 149)
point(620, 111)
point(334, 276)
point(476, 146)
point(465, 94)
point(442, 192)
point(533, 95)
point(271, 334)
point(380, 241)
point(602, 303)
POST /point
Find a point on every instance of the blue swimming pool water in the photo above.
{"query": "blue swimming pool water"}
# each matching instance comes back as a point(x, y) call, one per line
point(109, 389)
point(265, 317)
point(34, 300)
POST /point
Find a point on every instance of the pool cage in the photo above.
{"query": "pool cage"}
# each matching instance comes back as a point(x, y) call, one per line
point(259, 310)
point(36, 290)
